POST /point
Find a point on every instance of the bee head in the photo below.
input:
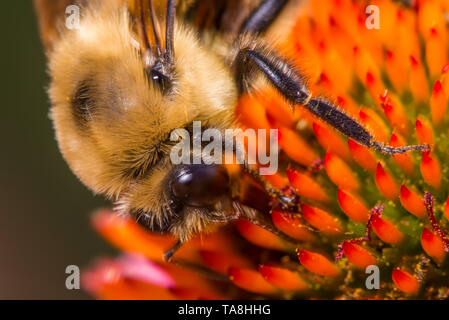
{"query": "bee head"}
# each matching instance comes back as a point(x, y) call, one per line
point(117, 99)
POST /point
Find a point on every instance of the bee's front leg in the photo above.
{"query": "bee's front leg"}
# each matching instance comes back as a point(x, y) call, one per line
point(285, 198)
point(169, 254)
point(255, 57)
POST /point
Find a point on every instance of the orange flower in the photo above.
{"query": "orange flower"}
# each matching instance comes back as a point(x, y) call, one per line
point(380, 78)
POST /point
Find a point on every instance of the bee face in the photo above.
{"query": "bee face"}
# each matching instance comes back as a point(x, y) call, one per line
point(115, 106)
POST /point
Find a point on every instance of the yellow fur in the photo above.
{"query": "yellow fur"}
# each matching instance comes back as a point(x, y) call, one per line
point(132, 117)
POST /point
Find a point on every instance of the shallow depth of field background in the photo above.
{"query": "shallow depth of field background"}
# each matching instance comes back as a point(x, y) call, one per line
point(44, 209)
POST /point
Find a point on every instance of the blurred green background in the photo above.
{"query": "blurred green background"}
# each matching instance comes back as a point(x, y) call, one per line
point(45, 211)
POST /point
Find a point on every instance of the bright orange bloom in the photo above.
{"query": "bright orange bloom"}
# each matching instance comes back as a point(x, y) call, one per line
point(383, 80)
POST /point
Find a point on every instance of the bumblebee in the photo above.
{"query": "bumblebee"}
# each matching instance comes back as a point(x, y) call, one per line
point(135, 71)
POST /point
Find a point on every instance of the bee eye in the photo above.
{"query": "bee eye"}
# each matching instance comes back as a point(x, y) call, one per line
point(200, 185)
point(159, 79)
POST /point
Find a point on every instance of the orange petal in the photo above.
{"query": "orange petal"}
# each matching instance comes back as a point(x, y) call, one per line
point(430, 16)
point(330, 141)
point(358, 255)
point(291, 225)
point(252, 113)
point(436, 52)
point(278, 108)
point(321, 13)
point(430, 170)
point(186, 278)
point(321, 220)
point(363, 156)
point(374, 85)
point(340, 173)
point(295, 147)
point(250, 280)
point(386, 231)
point(306, 186)
point(375, 124)
point(277, 181)
point(259, 236)
point(283, 278)
point(317, 263)
point(385, 183)
point(365, 65)
point(133, 290)
point(395, 112)
point(418, 80)
point(397, 71)
point(126, 235)
point(222, 261)
point(405, 281)
point(404, 161)
point(424, 131)
point(352, 207)
point(412, 202)
point(438, 103)
point(433, 245)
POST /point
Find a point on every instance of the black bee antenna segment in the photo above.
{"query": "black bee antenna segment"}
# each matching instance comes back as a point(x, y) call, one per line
point(170, 30)
point(153, 23)
point(144, 26)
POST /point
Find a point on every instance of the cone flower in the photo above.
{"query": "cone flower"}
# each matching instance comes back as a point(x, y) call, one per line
point(357, 207)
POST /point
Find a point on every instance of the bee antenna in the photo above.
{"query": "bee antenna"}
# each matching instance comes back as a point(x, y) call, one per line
point(153, 22)
point(170, 28)
point(143, 26)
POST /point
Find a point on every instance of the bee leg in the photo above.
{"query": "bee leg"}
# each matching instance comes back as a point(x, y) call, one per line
point(168, 257)
point(286, 198)
point(287, 80)
point(169, 254)
point(263, 16)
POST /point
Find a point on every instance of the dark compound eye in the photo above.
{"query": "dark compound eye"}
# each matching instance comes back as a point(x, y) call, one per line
point(200, 185)
point(159, 79)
